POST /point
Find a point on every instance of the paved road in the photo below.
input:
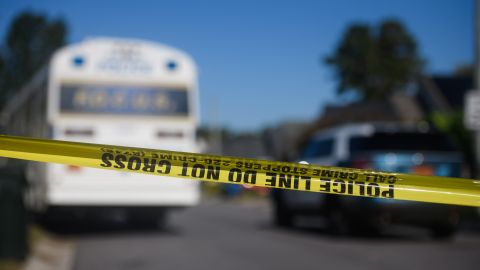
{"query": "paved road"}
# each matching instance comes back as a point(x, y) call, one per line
point(239, 236)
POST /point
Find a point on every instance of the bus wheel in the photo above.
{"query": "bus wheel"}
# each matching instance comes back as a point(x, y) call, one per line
point(149, 219)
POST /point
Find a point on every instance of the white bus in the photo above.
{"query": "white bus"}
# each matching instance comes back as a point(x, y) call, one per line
point(110, 91)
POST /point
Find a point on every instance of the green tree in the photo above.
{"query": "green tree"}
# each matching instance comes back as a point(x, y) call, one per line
point(375, 61)
point(30, 41)
point(452, 125)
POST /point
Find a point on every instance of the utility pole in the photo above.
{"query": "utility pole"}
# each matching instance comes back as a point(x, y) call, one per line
point(472, 98)
point(477, 80)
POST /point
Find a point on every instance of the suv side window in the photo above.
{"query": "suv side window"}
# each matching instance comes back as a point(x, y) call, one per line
point(402, 141)
point(319, 148)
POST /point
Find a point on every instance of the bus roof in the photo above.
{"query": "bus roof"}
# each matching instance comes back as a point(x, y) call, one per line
point(122, 59)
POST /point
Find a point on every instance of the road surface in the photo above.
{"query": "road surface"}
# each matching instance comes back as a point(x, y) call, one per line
point(219, 235)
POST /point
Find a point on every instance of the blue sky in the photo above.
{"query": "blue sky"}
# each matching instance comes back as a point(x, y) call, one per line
point(260, 61)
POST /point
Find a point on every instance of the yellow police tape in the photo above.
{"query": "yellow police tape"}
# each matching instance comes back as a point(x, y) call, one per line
point(220, 169)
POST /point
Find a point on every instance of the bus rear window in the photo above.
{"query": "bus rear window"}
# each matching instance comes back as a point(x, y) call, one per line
point(123, 100)
point(402, 142)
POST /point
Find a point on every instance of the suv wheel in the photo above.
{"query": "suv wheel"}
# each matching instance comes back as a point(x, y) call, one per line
point(338, 222)
point(447, 228)
point(443, 231)
point(282, 216)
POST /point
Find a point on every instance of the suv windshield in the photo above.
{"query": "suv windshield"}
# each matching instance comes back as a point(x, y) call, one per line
point(401, 141)
point(318, 148)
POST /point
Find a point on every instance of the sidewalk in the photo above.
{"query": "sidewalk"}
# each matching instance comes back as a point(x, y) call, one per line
point(51, 253)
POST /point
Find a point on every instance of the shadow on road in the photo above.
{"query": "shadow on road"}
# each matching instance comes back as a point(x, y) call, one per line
point(394, 233)
point(92, 227)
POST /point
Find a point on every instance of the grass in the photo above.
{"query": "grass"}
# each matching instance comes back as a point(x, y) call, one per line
point(35, 234)
point(10, 265)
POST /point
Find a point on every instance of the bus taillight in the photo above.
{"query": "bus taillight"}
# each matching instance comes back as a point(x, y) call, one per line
point(73, 168)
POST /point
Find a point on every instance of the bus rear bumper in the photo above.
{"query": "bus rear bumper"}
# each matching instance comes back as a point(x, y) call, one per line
point(135, 190)
point(146, 198)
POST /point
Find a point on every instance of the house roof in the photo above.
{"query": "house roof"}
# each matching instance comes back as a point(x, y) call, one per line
point(454, 89)
point(443, 93)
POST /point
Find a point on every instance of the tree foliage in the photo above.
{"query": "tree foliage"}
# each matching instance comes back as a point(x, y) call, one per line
point(375, 61)
point(30, 41)
point(452, 125)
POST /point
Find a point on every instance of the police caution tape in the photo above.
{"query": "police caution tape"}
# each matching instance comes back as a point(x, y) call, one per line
point(220, 169)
